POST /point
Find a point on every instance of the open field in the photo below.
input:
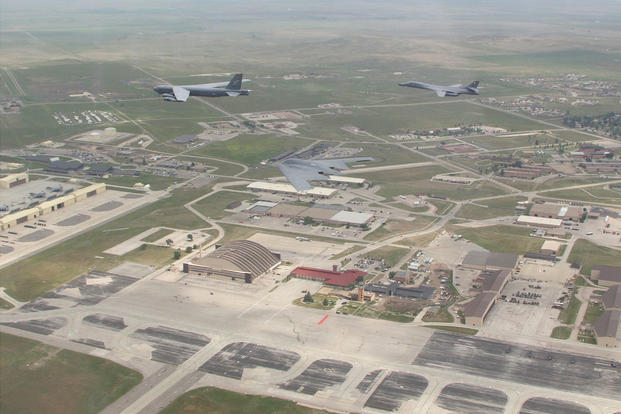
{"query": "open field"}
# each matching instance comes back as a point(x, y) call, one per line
point(36, 124)
point(497, 207)
point(385, 154)
point(401, 119)
point(251, 149)
point(67, 260)
point(65, 381)
point(395, 227)
point(561, 332)
point(568, 316)
point(417, 180)
point(214, 205)
point(598, 194)
point(589, 254)
point(155, 182)
point(391, 255)
point(157, 235)
point(219, 401)
point(560, 182)
point(504, 239)
point(456, 329)
point(494, 143)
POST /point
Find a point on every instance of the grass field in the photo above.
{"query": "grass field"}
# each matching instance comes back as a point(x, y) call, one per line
point(395, 227)
point(401, 119)
point(455, 329)
point(214, 205)
point(589, 254)
point(497, 207)
point(5, 305)
point(317, 302)
point(417, 180)
point(251, 149)
point(494, 143)
point(385, 154)
point(560, 182)
point(504, 239)
point(594, 311)
point(561, 332)
point(219, 401)
point(597, 194)
point(568, 316)
point(391, 255)
point(69, 259)
point(443, 315)
point(64, 381)
point(157, 235)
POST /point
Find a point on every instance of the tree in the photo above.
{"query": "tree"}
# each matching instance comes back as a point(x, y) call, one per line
point(326, 302)
point(169, 242)
point(308, 298)
point(188, 249)
point(359, 279)
point(190, 237)
point(308, 220)
point(177, 255)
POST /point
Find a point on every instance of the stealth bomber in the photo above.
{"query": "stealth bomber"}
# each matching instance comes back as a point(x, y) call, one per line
point(300, 172)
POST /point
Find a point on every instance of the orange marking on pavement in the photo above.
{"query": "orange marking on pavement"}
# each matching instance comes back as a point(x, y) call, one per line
point(324, 318)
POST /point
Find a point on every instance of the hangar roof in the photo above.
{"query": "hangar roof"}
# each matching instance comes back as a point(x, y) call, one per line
point(244, 255)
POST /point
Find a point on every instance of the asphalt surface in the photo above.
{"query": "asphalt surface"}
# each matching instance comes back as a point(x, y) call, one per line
point(368, 381)
point(552, 406)
point(395, 389)
point(233, 359)
point(522, 364)
point(171, 346)
point(319, 375)
point(40, 326)
point(73, 220)
point(471, 399)
point(110, 205)
point(100, 320)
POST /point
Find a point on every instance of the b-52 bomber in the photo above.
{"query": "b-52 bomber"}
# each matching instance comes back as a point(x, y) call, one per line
point(299, 171)
point(442, 91)
point(181, 93)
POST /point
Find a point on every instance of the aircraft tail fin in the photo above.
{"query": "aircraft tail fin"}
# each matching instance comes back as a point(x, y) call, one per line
point(474, 85)
point(236, 82)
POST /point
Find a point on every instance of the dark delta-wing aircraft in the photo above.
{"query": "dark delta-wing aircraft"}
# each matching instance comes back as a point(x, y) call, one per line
point(299, 171)
point(453, 90)
point(182, 92)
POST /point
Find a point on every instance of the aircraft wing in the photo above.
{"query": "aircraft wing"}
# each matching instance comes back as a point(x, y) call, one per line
point(459, 85)
point(298, 175)
point(181, 94)
point(300, 172)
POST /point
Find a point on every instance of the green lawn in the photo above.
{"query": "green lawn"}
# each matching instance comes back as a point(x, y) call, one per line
point(561, 332)
point(497, 207)
point(505, 239)
point(38, 378)
point(456, 329)
point(395, 227)
point(568, 316)
point(5, 305)
point(157, 235)
point(219, 401)
point(442, 206)
point(590, 254)
point(214, 205)
point(594, 311)
point(391, 255)
point(597, 194)
point(317, 302)
point(443, 315)
point(251, 149)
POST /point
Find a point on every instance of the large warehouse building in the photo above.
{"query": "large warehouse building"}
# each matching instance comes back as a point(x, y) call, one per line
point(557, 211)
point(11, 220)
point(241, 259)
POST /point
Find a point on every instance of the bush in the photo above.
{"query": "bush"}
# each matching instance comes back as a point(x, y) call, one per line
point(177, 255)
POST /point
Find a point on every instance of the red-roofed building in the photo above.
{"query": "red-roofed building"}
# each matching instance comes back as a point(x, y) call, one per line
point(328, 277)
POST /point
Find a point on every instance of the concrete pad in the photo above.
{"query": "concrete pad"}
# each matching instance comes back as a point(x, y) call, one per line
point(131, 243)
point(36, 236)
point(395, 389)
point(110, 205)
point(471, 399)
point(73, 220)
point(131, 269)
point(5, 249)
point(551, 406)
